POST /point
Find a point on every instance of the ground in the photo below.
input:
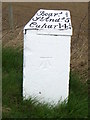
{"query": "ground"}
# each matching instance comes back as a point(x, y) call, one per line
point(13, 106)
point(23, 12)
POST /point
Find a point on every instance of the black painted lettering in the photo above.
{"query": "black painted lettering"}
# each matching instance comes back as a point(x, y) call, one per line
point(66, 14)
point(42, 19)
point(57, 20)
point(33, 24)
point(65, 26)
point(59, 14)
point(55, 26)
point(63, 18)
point(47, 19)
point(37, 26)
point(44, 25)
point(59, 25)
point(51, 14)
point(67, 20)
point(49, 26)
point(48, 14)
point(41, 13)
point(35, 18)
point(51, 20)
point(55, 14)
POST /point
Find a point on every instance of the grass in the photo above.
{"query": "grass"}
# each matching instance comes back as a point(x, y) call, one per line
point(15, 107)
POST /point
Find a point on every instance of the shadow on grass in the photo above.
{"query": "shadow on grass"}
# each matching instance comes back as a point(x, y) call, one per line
point(15, 107)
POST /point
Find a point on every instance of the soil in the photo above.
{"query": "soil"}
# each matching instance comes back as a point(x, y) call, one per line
point(23, 12)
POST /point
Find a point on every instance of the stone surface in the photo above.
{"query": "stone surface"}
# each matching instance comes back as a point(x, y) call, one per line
point(47, 58)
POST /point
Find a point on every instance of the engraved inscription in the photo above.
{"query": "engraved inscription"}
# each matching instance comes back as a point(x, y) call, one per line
point(45, 62)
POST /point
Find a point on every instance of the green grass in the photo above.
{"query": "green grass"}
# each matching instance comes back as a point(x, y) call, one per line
point(15, 107)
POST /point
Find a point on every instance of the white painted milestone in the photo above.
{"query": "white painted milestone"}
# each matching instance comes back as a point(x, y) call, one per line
point(46, 67)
